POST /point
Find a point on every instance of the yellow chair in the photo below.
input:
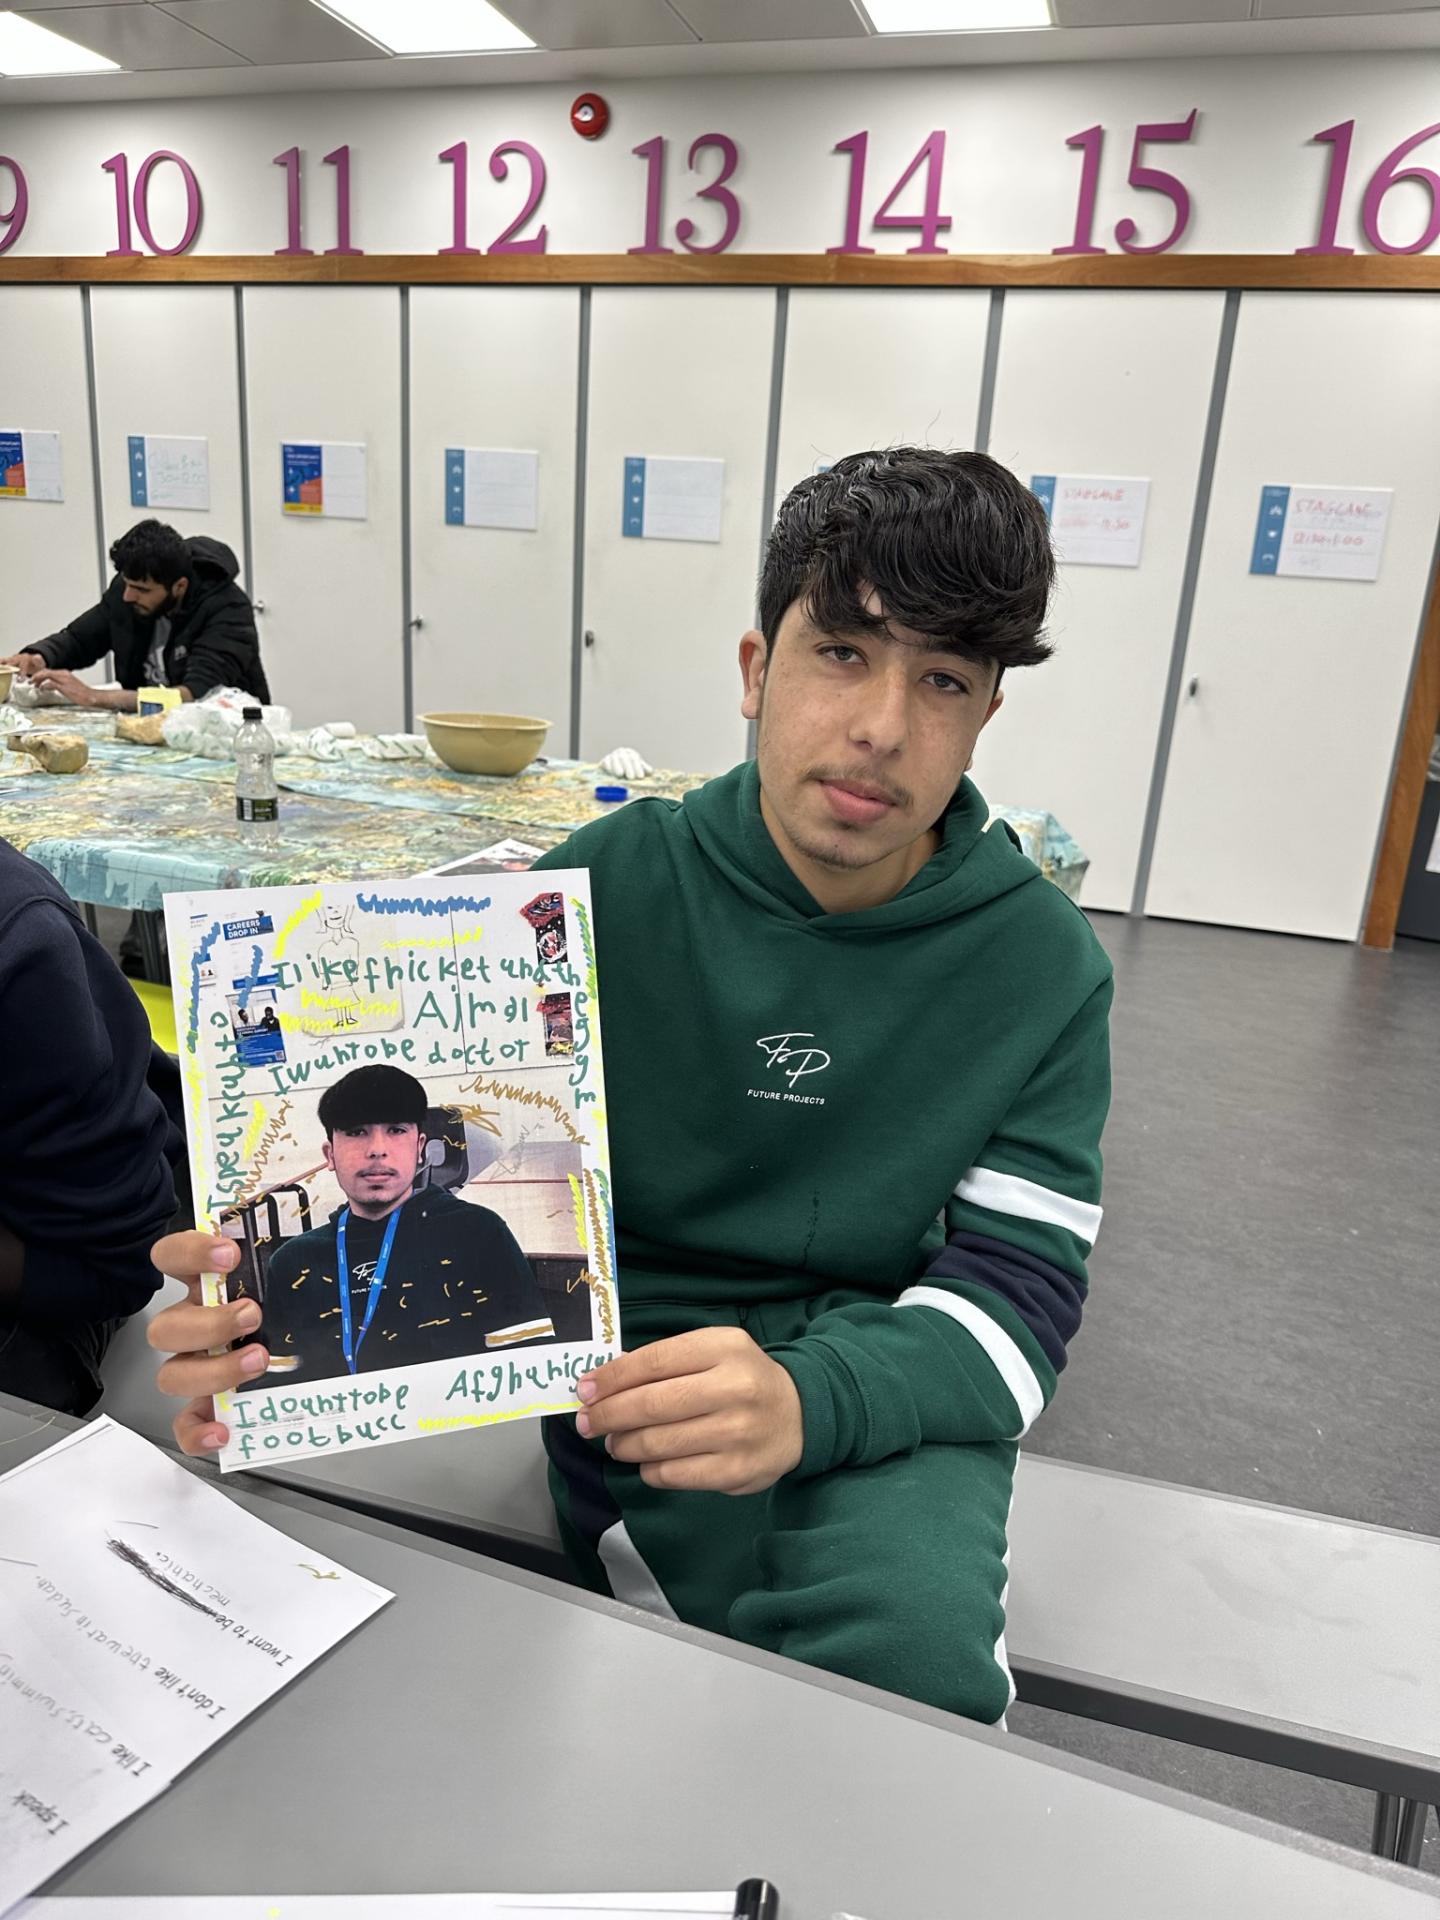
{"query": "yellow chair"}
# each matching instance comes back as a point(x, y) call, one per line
point(159, 1011)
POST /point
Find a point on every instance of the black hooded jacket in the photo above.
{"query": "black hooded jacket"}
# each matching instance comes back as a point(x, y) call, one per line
point(212, 643)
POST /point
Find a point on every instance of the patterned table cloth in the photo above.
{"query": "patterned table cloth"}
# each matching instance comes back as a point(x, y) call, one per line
point(141, 822)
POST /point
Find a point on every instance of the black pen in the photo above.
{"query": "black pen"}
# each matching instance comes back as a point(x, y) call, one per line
point(756, 1900)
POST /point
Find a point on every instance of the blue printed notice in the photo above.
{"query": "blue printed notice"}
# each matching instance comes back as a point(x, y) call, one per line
point(139, 480)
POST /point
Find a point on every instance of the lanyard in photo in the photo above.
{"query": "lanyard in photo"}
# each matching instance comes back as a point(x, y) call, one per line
point(349, 1340)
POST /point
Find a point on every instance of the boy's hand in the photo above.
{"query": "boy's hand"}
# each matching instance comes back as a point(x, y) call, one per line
point(705, 1411)
point(186, 1330)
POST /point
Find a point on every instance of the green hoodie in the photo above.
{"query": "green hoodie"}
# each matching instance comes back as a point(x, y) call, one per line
point(897, 1108)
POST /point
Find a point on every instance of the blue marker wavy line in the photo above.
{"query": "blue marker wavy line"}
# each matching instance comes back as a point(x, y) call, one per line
point(201, 955)
point(253, 977)
point(426, 908)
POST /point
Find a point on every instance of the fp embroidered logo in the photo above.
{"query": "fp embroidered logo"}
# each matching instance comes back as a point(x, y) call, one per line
point(793, 1061)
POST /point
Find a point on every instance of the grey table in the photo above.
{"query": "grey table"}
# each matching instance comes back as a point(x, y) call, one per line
point(494, 1730)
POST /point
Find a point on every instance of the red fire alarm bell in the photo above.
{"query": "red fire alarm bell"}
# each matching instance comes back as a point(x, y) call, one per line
point(590, 116)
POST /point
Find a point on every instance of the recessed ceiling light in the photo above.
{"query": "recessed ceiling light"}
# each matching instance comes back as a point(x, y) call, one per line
point(26, 49)
point(956, 16)
point(429, 26)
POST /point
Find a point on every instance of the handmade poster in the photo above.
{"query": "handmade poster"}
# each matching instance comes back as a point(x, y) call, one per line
point(142, 1616)
point(669, 499)
point(30, 465)
point(395, 1100)
point(492, 487)
point(1321, 533)
point(324, 477)
point(169, 471)
point(1098, 520)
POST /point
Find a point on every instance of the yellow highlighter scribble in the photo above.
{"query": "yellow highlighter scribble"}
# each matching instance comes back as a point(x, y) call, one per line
point(446, 940)
point(253, 1131)
point(302, 913)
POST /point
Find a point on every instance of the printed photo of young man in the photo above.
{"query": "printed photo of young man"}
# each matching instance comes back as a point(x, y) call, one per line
point(400, 1273)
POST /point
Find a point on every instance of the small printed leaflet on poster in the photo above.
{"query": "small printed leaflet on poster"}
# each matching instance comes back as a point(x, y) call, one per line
point(395, 1099)
point(143, 1616)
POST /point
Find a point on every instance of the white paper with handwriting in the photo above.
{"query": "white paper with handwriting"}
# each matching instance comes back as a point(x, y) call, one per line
point(143, 1614)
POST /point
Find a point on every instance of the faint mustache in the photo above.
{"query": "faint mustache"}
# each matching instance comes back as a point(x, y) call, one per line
point(865, 782)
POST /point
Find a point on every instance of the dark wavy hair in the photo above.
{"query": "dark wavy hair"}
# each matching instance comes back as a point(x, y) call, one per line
point(953, 544)
point(150, 551)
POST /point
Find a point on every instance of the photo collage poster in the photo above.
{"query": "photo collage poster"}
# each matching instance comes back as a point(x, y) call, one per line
point(395, 1102)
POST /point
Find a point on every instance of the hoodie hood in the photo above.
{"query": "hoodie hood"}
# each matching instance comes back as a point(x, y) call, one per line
point(211, 561)
point(969, 868)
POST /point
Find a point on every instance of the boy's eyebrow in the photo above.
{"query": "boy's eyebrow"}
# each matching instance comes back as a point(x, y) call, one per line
point(924, 643)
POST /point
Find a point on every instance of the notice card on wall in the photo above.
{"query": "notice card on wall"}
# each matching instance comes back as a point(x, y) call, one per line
point(395, 1100)
point(30, 465)
point(1098, 520)
point(143, 1615)
point(167, 470)
point(325, 477)
point(1321, 533)
point(667, 499)
point(492, 487)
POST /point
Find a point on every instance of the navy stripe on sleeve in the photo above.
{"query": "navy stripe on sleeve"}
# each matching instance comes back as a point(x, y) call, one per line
point(1047, 1298)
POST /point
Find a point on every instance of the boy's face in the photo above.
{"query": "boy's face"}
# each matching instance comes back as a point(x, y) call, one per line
point(862, 740)
point(376, 1165)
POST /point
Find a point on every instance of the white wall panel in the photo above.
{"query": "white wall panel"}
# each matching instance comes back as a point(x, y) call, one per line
point(683, 373)
point(494, 367)
point(165, 363)
point(1101, 383)
point(48, 554)
point(1280, 763)
point(323, 363)
point(877, 367)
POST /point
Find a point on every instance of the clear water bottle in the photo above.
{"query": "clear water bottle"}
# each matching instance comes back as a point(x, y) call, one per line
point(257, 798)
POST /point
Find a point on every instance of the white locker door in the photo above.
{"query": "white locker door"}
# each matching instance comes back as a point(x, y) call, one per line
point(323, 363)
point(186, 337)
point(878, 367)
point(494, 367)
point(1281, 758)
point(1101, 383)
point(48, 554)
point(686, 374)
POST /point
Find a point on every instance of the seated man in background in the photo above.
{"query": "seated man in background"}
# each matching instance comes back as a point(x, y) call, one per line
point(86, 1144)
point(172, 617)
point(857, 1067)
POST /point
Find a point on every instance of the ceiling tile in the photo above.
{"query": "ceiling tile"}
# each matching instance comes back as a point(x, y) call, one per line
point(771, 19)
point(139, 37)
point(1146, 13)
point(274, 33)
point(571, 24)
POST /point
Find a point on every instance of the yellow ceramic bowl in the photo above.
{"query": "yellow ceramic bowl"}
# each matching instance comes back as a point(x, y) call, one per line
point(485, 742)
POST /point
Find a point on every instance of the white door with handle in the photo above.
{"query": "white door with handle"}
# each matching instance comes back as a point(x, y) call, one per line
point(494, 368)
point(322, 364)
point(1294, 689)
point(679, 373)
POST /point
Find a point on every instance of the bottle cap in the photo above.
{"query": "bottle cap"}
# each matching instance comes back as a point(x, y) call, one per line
point(251, 713)
point(612, 793)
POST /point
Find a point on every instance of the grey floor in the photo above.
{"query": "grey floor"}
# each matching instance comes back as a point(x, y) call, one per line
point(1264, 1316)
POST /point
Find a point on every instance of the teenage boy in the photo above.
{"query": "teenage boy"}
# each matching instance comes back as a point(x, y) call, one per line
point(857, 1069)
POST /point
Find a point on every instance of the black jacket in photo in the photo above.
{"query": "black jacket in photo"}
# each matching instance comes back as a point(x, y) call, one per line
point(212, 643)
point(457, 1284)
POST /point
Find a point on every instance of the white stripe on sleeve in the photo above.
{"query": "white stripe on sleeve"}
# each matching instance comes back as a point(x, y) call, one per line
point(1006, 1358)
point(1008, 1193)
point(630, 1579)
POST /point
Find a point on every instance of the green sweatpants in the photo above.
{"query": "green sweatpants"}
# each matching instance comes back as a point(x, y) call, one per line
point(893, 1574)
